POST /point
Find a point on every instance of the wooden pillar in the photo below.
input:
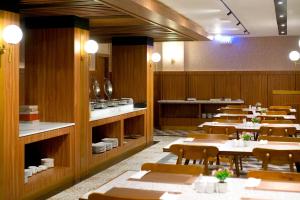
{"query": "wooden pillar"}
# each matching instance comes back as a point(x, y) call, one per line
point(9, 114)
point(56, 77)
point(132, 73)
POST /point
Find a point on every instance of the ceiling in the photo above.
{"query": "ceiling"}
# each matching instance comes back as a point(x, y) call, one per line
point(111, 18)
point(258, 16)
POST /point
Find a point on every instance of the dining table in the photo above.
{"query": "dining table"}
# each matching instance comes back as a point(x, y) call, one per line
point(250, 116)
point(250, 110)
point(234, 147)
point(249, 126)
point(136, 185)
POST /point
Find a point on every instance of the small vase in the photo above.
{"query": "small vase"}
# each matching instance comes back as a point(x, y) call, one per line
point(246, 143)
point(221, 187)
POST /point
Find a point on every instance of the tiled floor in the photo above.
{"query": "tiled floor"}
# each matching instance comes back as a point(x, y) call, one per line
point(152, 154)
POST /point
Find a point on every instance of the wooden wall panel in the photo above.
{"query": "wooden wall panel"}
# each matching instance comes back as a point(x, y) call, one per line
point(280, 81)
point(298, 81)
point(81, 104)
point(10, 176)
point(174, 85)
point(254, 87)
point(227, 84)
point(49, 73)
point(157, 95)
point(129, 72)
point(201, 85)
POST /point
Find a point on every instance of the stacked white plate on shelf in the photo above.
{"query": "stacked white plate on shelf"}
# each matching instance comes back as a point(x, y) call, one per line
point(99, 147)
point(108, 145)
point(113, 141)
point(49, 162)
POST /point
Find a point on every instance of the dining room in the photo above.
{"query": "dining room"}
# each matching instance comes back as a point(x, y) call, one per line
point(149, 100)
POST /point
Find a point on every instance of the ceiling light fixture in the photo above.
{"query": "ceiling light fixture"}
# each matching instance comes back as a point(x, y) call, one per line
point(283, 25)
point(281, 16)
point(279, 2)
point(237, 19)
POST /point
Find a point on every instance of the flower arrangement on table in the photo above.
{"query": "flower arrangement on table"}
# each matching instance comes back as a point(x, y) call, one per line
point(222, 174)
point(256, 120)
point(246, 137)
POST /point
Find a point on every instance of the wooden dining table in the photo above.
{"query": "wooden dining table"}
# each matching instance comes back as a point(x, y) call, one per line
point(250, 116)
point(291, 110)
point(238, 188)
point(230, 148)
point(249, 126)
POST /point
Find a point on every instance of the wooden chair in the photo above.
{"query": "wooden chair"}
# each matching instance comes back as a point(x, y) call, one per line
point(176, 169)
point(277, 131)
point(278, 121)
point(231, 117)
point(277, 112)
point(279, 139)
point(208, 136)
point(99, 196)
point(274, 176)
point(193, 152)
point(277, 157)
point(234, 111)
point(236, 106)
point(227, 130)
point(272, 117)
point(280, 107)
point(228, 120)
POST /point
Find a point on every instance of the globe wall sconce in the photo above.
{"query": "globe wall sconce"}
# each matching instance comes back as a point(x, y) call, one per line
point(12, 35)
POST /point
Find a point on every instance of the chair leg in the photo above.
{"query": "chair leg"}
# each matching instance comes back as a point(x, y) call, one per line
point(186, 162)
point(241, 162)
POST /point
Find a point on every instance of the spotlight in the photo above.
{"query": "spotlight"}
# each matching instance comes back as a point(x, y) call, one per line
point(229, 13)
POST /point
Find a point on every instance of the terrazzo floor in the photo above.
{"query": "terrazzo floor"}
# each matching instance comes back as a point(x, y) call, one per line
point(154, 154)
point(151, 154)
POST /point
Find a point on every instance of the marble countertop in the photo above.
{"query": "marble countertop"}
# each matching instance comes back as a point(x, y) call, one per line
point(216, 101)
point(26, 129)
point(112, 112)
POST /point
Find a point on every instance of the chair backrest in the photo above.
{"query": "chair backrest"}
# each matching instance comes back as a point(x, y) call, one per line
point(235, 111)
point(274, 176)
point(176, 169)
point(277, 157)
point(98, 196)
point(280, 107)
point(277, 112)
point(227, 130)
point(194, 152)
point(272, 117)
point(236, 106)
point(231, 117)
point(277, 131)
point(279, 139)
point(228, 120)
point(278, 121)
point(208, 136)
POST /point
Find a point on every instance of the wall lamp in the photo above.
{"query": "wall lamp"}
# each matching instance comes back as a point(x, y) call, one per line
point(90, 47)
point(155, 58)
point(12, 34)
point(295, 55)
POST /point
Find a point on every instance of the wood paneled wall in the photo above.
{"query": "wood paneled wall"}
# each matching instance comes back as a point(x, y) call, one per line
point(49, 73)
point(252, 87)
point(10, 176)
point(132, 75)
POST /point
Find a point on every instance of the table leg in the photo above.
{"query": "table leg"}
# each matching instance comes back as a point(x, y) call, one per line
point(236, 163)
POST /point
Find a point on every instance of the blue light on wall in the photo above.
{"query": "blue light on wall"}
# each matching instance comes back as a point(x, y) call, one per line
point(224, 39)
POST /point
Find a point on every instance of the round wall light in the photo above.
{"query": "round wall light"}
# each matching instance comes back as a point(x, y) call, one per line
point(294, 55)
point(91, 46)
point(155, 57)
point(12, 34)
